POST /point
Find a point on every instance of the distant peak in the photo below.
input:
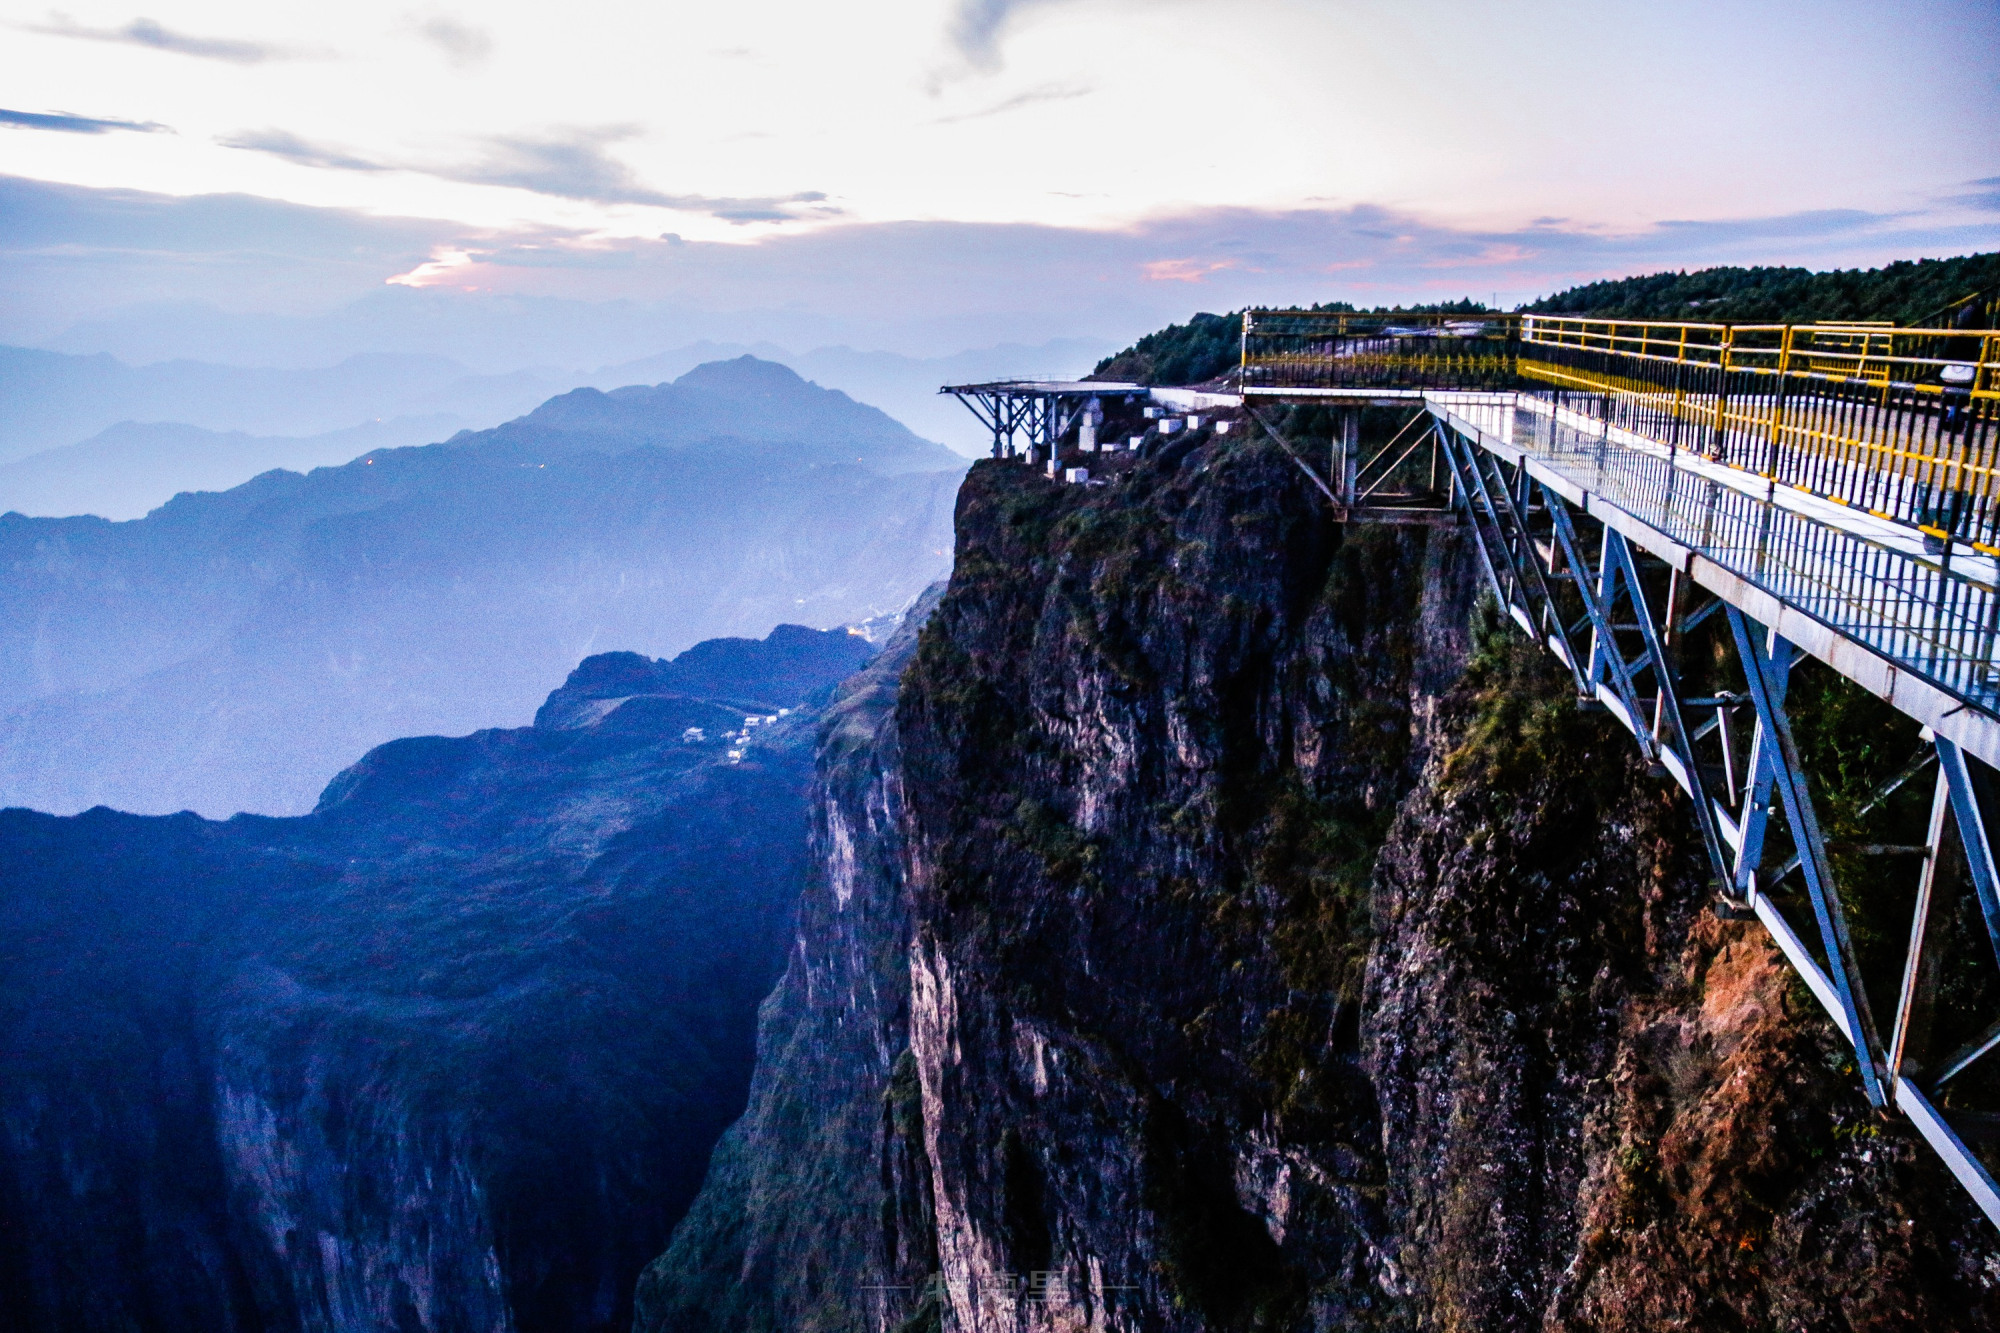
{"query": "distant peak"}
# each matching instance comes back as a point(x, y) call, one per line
point(743, 372)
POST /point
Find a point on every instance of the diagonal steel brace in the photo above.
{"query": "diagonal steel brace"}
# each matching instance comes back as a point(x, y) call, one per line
point(1788, 777)
point(1679, 745)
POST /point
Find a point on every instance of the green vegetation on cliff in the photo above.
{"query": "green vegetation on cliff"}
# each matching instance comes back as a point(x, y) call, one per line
point(1910, 292)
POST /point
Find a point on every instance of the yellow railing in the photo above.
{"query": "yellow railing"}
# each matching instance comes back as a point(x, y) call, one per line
point(1904, 423)
point(1928, 360)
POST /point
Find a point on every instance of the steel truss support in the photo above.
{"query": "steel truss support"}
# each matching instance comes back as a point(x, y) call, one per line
point(1779, 753)
point(1526, 538)
point(1915, 1080)
point(1023, 420)
point(1671, 741)
point(999, 413)
point(1506, 546)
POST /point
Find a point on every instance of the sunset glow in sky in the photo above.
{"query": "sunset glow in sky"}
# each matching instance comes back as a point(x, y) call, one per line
point(1488, 147)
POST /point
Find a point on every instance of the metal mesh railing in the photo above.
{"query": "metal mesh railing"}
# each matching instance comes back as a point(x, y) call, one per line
point(1919, 613)
point(1902, 423)
point(1290, 349)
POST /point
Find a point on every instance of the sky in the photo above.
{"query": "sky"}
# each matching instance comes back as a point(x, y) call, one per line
point(928, 175)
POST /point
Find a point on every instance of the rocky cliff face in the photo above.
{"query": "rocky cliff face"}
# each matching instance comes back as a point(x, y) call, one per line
point(1226, 931)
point(447, 1054)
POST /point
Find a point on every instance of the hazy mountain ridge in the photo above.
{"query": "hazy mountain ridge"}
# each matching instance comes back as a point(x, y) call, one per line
point(231, 650)
point(745, 398)
point(128, 470)
point(56, 399)
point(91, 434)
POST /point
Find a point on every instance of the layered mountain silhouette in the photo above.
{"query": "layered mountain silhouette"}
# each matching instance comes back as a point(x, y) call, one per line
point(90, 434)
point(57, 399)
point(130, 469)
point(232, 650)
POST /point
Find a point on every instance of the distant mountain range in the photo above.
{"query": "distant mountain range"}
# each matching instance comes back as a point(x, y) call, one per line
point(130, 469)
point(89, 434)
point(233, 650)
point(55, 399)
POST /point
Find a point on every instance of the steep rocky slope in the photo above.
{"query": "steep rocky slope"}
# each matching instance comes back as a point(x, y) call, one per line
point(447, 1054)
point(1280, 949)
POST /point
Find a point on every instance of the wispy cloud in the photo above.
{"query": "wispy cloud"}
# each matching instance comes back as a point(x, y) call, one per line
point(281, 143)
point(441, 269)
point(1803, 225)
point(150, 33)
point(1184, 270)
point(575, 164)
point(1048, 93)
point(465, 46)
point(565, 163)
point(64, 122)
point(1983, 195)
point(805, 205)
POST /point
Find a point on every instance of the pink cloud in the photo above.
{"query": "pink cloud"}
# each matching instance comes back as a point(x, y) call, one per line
point(446, 267)
point(1183, 270)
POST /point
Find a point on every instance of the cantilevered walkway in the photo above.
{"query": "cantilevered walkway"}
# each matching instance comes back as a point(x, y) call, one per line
point(1679, 513)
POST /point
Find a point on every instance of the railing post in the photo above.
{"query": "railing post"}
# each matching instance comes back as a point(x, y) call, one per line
point(1777, 422)
point(1680, 390)
point(1718, 437)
